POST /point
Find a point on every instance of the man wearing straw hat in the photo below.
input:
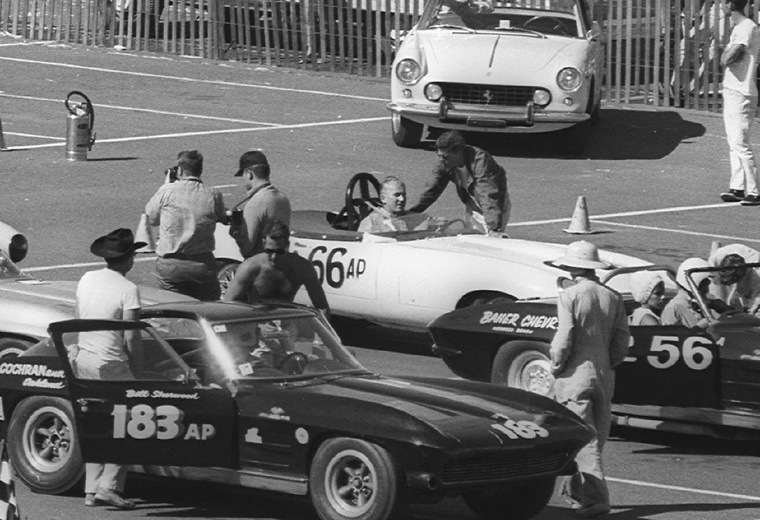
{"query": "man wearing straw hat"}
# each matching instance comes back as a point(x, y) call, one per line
point(591, 340)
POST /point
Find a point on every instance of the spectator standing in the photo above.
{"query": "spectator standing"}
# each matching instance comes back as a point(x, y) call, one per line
point(591, 340)
point(186, 213)
point(739, 60)
point(276, 273)
point(263, 204)
point(109, 355)
point(480, 181)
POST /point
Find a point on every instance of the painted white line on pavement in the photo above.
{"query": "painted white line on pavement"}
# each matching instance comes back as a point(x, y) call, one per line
point(151, 111)
point(211, 132)
point(77, 266)
point(688, 490)
point(628, 214)
point(681, 231)
point(195, 80)
point(36, 136)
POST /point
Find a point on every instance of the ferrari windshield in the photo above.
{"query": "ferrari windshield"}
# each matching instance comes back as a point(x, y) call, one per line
point(557, 17)
point(288, 347)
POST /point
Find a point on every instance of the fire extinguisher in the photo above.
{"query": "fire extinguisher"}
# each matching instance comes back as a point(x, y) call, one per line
point(79, 134)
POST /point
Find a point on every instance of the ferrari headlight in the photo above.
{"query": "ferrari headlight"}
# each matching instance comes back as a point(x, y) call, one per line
point(408, 71)
point(433, 92)
point(541, 97)
point(569, 79)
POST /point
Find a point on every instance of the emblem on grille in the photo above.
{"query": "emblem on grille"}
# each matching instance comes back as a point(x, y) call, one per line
point(488, 97)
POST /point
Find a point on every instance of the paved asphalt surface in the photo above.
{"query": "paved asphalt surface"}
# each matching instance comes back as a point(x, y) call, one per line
point(651, 179)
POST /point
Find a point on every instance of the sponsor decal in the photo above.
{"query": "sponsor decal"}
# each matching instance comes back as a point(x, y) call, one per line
point(302, 436)
point(26, 369)
point(142, 394)
point(42, 383)
point(516, 322)
point(252, 436)
point(276, 413)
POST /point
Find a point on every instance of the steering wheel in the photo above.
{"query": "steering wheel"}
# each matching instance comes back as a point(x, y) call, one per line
point(357, 208)
point(548, 24)
point(294, 363)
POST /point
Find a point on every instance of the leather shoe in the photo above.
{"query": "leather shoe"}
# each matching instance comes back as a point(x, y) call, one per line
point(732, 196)
point(113, 498)
point(593, 511)
point(751, 200)
point(90, 500)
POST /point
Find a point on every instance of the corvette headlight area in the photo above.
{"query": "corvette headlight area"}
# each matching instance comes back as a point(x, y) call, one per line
point(408, 71)
point(569, 79)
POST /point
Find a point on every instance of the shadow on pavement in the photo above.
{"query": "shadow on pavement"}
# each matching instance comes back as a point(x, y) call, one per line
point(668, 443)
point(620, 135)
point(643, 512)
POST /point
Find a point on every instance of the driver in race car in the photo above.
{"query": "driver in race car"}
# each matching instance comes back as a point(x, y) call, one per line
point(392, 215)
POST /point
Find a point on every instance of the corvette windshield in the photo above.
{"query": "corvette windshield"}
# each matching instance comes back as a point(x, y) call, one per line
point(557, 17)
point(289, 347)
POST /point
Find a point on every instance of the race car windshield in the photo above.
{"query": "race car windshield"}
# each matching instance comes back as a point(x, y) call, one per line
point(416, 226)
point(283, 348)
point(557, 17)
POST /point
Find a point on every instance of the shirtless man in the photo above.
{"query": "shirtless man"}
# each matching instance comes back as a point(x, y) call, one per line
point(276, 274)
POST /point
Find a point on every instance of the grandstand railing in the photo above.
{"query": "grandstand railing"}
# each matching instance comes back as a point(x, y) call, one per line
point(658, 52)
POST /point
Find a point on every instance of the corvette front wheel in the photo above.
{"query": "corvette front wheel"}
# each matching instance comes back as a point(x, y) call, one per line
point(406, 133)
point(524, 365)
point(352, 479)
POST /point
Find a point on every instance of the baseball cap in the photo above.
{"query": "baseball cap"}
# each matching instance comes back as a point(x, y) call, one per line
point(251, 158)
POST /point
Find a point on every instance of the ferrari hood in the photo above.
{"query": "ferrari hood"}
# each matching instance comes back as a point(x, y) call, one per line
point(496, 57)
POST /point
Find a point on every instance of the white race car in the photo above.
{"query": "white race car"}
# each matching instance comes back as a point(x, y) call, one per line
point(495, 66)
point(405, 279)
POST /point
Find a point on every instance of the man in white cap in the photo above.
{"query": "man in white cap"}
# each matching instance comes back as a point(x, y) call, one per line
point(591, 340)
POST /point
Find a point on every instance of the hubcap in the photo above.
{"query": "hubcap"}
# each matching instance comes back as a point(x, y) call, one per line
point(351, 483)
point(48, 440)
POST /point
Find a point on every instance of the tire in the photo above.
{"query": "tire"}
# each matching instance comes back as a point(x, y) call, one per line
point(225, 273)
point(596, 114)
point(406, 133)
point(524, 365)
point(357, 480)
point(12, 347)
point(43, 445)
point(518, 502)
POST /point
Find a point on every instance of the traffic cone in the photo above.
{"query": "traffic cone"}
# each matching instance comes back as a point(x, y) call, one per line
point(714, 247)
point(579, 224)
point(3, 147)
point(145, 234)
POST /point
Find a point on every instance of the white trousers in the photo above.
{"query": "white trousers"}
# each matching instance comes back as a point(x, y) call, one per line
point(739, 116)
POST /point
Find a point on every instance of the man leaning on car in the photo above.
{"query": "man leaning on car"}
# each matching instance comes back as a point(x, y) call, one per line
point(480, 181)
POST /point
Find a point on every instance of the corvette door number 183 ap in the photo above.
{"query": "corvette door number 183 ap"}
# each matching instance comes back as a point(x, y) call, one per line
point(163, 422)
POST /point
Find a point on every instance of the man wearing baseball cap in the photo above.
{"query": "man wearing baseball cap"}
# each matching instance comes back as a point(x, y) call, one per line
point(263, 204)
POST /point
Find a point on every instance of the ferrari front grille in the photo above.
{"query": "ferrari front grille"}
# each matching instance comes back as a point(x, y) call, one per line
point(497, 95)
point(502, 467)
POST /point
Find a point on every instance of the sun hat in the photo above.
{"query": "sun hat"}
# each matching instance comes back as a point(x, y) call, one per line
point(581, 255)
point(117, 243)
point(251, 158)
point(642, 284)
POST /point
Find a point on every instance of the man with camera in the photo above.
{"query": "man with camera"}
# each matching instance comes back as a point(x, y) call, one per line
point(186, 213)
point(263, 204)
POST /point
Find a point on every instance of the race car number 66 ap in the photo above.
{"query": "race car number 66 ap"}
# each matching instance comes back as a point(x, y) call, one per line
point(163, 422)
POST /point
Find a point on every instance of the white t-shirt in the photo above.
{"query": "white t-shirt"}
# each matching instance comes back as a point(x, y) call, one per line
point(740, 75)
point(105, 295)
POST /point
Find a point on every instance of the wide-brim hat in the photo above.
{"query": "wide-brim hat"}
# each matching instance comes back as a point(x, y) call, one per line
point(581, 255)
point(251, 158)
point(117, 243)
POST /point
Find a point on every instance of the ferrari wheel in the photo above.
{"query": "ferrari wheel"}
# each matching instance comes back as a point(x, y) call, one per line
point(524, 365)
point(406, 133)
point(43, 447)
point(354, 479)
point(519, 502)
point(225, 273)
point(12, 347)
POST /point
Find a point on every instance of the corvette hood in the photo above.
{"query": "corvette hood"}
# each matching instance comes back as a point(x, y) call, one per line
point(433, 412)
point(496, 57)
